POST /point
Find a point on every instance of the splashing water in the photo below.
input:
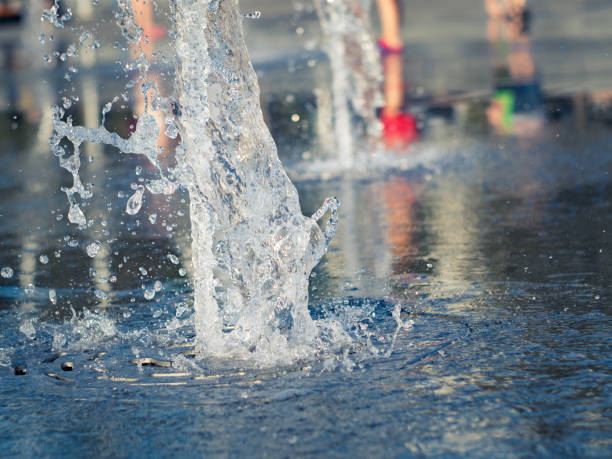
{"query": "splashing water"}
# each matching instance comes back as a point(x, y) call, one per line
point(355, 70)
point(253, 274)
point(6, 272)
point(252, 249)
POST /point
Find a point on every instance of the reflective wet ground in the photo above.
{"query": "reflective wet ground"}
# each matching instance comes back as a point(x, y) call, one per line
point(494, 242)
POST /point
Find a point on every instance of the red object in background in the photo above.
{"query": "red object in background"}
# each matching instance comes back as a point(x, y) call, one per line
point(386, 48)
point(155, 32)
point(399, 129)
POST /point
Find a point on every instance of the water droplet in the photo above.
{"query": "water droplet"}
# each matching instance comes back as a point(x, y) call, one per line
point(100, 294)
point(295, 117)
point(93, 249)
point(6, 272)
point(135, 202)
point(46, 58)
point(181, 309)
point(84, 37)
point(52, 296)
point(173, 258)
point(27, 328)
point(143, 271)
point(44, 259)
point(29, 289)
point(253, 15)
point(107, 108)
point(138, 169)
point(76, 216)
point(71, 51)
point(172, 129)
point(149, 293)
point(183, 272)
point(153, 218)
point(157, 286)
point(66, 16)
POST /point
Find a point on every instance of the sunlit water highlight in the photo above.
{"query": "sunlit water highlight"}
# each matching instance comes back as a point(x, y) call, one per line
point(252, 248)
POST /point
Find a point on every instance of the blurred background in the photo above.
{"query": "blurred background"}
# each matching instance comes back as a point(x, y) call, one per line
point(506, 97)
point(482, 208)
point(460, 65)
point(525, 86)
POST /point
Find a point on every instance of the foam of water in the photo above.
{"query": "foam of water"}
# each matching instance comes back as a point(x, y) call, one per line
point(252, 249)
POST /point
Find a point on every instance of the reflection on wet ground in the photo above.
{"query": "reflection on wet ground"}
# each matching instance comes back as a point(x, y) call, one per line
point(494, 241)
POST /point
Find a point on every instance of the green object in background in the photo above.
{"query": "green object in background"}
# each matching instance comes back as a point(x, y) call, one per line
point(506, 99)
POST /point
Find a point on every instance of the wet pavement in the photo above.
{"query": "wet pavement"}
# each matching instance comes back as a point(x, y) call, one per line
point(494, 239)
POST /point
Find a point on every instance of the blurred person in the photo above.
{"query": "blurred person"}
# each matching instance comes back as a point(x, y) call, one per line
point(399, 128)
point(504, 8)
point(515, 107)
point(390, 37)
point(144, 17)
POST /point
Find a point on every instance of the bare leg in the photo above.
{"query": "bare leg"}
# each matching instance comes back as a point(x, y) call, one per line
point(144, 16)
point(393, 85)
point(390, 23)
point(399, 128)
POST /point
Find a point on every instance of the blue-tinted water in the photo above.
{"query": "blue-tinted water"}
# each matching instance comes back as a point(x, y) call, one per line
point(496, 247)
point(504, 272)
